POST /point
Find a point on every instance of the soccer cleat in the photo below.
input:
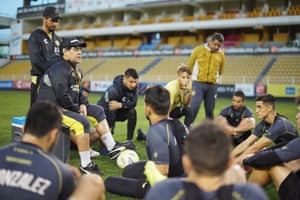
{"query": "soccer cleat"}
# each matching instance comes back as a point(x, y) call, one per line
point(141, 135)
point(128, 145)
point(115, 152)
point(94, 154)
point(91, 168)
point(153, 175)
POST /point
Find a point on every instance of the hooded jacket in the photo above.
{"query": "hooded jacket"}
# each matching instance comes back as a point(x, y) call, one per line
point(118, 92)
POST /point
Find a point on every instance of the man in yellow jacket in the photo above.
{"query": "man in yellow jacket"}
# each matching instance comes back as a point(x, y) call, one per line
point(206, 64)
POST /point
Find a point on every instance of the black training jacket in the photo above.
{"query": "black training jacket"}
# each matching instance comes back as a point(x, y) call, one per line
point(60, 84)
point(42, 50)
point(120, 93)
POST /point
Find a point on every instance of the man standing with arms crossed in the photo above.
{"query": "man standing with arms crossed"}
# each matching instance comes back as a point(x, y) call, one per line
point(206, 64)
point(44, 45)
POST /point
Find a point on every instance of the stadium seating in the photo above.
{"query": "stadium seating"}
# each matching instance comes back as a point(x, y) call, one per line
point(188, 42)
point(114, 66)
point(153, 45)
point(103, 45)
point(294, 10)
point(243, 69)
point(119, 44)
point(255, 13)
point(133, 44)
point(188, 18)
point(238, 69)
point(165, 70)
point(284, 71)
point(87, 64)
point(174, 41)
point(16, 70)
point(232, 40)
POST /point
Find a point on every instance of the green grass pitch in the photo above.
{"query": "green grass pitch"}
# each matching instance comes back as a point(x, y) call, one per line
point(15, 103)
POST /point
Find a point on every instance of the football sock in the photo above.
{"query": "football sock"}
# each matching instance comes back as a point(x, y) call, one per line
point(108, 140)
point(85, 158)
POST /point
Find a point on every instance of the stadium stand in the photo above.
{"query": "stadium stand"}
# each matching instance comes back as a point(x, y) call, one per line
point(255, 13)
point(294, 10)
point(113, 66)
point(188, 42)
point(113, 37)
point(103, 45)
point(119, 43)
point(16, 70)
point(232, 40)
point(174, 41)
point(188, 18)
point(133, 44)
point(89, 63)
point(165, 70)
point(243, 69)
point(284, 71)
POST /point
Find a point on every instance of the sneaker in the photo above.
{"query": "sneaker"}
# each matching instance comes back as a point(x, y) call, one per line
point(151, 172)
point(141, 135)
point(115, 152)
point(91, 168)
point(94, 154)
point(128, 144)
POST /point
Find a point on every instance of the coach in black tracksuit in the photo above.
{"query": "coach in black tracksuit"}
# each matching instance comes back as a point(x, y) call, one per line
point(120, 99)
point(44, 48)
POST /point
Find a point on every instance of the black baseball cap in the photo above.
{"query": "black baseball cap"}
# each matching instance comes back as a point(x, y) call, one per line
point(72, 42)
point(51, 12)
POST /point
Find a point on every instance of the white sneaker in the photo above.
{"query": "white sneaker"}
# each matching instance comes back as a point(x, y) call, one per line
point(94, 154)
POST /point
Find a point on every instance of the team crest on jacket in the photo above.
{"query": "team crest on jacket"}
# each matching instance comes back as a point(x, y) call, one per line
point(57, 43)
point(46, 41)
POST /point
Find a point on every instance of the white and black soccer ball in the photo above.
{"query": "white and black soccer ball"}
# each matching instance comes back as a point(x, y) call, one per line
point(127, 157)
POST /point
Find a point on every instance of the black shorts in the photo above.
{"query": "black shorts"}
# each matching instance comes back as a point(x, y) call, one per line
point(290, 187)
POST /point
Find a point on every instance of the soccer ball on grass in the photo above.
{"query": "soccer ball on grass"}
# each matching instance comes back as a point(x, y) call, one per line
point(127, 157)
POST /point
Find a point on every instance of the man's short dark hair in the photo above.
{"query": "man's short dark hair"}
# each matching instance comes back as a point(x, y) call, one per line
point(239, 93)
point(217, 36)
point(158, 98)
point(42, 117)
point(131, 72)
point(208, 148)
point(267, 99)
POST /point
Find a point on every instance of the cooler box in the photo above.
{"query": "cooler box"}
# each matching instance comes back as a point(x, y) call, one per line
point(62, 146)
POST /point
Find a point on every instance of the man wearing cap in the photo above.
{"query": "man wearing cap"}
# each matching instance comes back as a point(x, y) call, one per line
point(44, 46)
point(60, 85)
